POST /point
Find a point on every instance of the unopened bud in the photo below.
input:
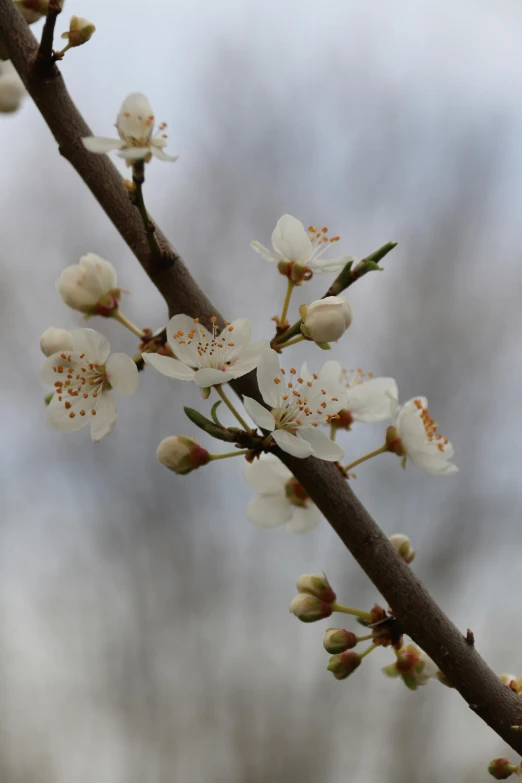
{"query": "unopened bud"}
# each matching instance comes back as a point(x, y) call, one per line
point(327, 319)
point(338, 640)
point(181, 454)
point(513, 682)
point(343, 665)
point(501, 768)
point(319, 586)
point(80, 31)
point(90, 286)
point(54, 340)
point(403, 547)
point(309, 609)
point(12, 89)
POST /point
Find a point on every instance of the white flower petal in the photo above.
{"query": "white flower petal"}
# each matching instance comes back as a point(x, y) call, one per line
point(268, 369)
point(209, 376)
point(105, 418)
point(373, 400)
point(297, 447)
point(269, 511)
point(180, 347)
point(172, 368)
point(93, 344)
point(323, 447)
point(304, 519)
point(249, 359)
point(134, 153)
point(290, 239)
point(122, 374)
point(267, 475)
point(323, 266)
point(409, 423)
point(135, 119)
point(331, 374)
point(259, 415)
point(437, 464)
point(160, 155)
point(59, 417)
point(101, 144)
point(238, 332)
point(264, 252)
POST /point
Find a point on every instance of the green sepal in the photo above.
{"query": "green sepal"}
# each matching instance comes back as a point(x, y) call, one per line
point(215, 430)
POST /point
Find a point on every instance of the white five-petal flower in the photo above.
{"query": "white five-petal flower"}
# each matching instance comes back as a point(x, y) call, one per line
point(292, 243)
point(370, 399)
point(135, 126)
point(281, 497)
point(208, 358)
point(83, 378)
point(298, 406)
point(419, 437)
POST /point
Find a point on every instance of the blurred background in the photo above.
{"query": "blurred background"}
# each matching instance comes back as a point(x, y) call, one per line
point(144, 626)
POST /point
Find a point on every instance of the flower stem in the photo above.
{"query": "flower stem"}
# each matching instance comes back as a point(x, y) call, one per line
point(333, 431)
point(290, 332)
point(231, 408)
point(130, 326)
point(286, 303)
point(228, 454)
point(368, 650)
point(349, 610)
point(291, 342)
point(382, 450)
point(138, 177)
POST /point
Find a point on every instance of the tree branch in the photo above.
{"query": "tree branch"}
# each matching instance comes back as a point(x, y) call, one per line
point(416, 611)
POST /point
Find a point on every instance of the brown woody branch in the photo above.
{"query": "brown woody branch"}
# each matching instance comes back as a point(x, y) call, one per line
point(417, 612)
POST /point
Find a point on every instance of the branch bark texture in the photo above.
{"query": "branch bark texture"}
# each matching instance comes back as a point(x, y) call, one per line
point(419, 615)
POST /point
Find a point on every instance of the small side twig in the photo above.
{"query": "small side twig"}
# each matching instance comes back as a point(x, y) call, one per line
point(138, 178)
point(45, 57)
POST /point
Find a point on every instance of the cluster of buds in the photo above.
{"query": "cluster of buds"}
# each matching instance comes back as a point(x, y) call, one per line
point(501, 768)
point(315, 599)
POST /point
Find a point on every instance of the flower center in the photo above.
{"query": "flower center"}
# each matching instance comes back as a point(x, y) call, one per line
point(356, 377)
point(430, 427)
point(80, 384)
point(320, 240)
point(296, 493)
point(302, 403)
point(216, 351)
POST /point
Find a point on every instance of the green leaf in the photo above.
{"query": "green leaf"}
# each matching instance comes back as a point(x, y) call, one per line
point(213, 413)
point(216, 431)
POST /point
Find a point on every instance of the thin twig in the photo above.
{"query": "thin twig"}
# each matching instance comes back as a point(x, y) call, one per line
point(45, 58)
point(417, 612)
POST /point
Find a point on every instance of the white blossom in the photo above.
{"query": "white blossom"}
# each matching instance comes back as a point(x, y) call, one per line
point(12, 88)
point(293, 244)
point(327, 319)
point(135, 126)
point(208, 358)
point(413, 666)
point(89, 286)
point(281, 498)
point(55, 340)
point(420, 440)
point(298, 405)
point(83, 379)
point(370, 399)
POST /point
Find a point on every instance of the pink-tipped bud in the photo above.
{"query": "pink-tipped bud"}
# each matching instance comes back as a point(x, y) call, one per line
point(309, 609)
point(313, 584)
point(343, 665)
point(338, 640)
point(403, 547)
point(501, 768)
point(181, 454)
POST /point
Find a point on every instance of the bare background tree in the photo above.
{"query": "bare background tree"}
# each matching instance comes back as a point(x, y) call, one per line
point(144, 628)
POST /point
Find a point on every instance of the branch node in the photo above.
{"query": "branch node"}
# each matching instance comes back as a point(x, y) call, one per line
point(470, 637)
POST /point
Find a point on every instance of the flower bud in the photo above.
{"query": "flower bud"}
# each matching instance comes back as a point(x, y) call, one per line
point(501, 768)
point(309, 608)
point(55, 340)
point(327, 319)
point(80, 31)
point(513, 682)
point(403, 547)
point(90, 286)
point(343, 665)
point(338, 640)
point(318, 586)
point(394, 443)
point(413, 665)
point(181, 454)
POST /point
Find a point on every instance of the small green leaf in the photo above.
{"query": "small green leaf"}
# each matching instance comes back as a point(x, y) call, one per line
point(216, 431)
point(213, 413)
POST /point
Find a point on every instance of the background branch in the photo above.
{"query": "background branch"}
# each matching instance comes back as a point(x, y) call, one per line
point(417, 612)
